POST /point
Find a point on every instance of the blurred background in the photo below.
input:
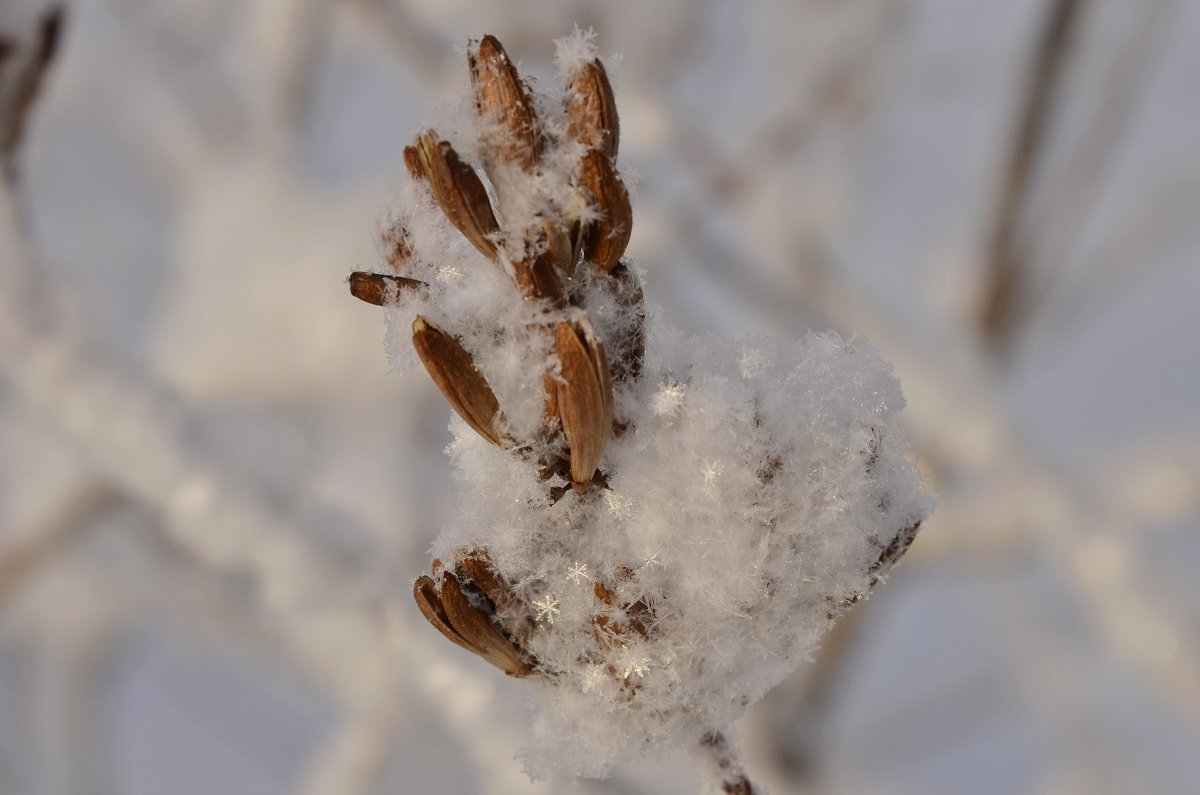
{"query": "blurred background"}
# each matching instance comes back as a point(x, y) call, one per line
point(214, 496)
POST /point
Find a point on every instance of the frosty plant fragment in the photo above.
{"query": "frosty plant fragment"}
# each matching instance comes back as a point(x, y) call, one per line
point(654, 529)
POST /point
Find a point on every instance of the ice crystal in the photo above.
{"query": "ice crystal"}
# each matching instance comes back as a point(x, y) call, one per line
point(547, 608)
point(577, 572)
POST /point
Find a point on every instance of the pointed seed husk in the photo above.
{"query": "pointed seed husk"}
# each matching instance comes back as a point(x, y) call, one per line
point(477, 629)
point(583, 402)
point(479, 571)
point(592, 109)
point(501, 95)
point(538, 279)
point(454, 372)
point(380, 288)
point(630, 347)
point(600, 362)
point(560, 247)
point(397, 248)
point(412, 161)
point(459, 191)
point(430, 604)
point(606, 238)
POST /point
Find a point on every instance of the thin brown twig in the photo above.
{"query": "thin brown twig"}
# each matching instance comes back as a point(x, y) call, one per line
point(30, 555)
point(718, 762)
point(26, 80)
point(1004, 262)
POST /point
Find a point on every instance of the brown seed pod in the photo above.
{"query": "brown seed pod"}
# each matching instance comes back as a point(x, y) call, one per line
point(592, 109)
point(559, 245)
point(584, 396)
point(459, 192)
point(477, 629)
point(454, 372)
point(631, 345)
point(606, 238)
point(379, 288)
point(538, 279)
point(600, 363)
point(397, 248)
point(479, 571)
point(412, 161)
point(430, 604)
point(501, 95)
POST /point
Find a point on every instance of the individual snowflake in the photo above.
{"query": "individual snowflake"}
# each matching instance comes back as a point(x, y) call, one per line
point(547, 608)
point(668, 400)
point(577, 572)
point(618, 506)
point(651, 562)
point(593, 676)
point(638, 666)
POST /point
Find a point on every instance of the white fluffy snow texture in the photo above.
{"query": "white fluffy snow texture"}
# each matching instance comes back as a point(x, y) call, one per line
point(757, 487)
point(747, 513)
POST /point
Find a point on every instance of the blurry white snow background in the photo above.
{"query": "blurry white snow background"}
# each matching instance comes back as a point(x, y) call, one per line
point(214, 495)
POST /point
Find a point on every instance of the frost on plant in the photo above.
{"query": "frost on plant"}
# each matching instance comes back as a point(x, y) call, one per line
point(653, 529)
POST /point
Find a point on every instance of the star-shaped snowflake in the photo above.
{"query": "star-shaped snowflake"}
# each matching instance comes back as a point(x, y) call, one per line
point(667, 401)
point(638, 666)
point(577, 572)
point(547, 608)
point(619, 506)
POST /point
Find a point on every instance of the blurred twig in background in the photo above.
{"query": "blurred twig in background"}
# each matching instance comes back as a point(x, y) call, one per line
point(1090, 611)
point(1006, 289)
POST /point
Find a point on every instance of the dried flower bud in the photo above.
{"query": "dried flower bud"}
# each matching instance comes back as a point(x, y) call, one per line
point(477, 629)
point(412, 161)
point(459, 192)
point(500, 94)
point(630, 345)
point(606, 238)
point(479, 571)
point(561, 248)
point(397, 248)
point(380, 288)
point(430, 604)
point(584, 399)
point(454, 372)
point(592, 110)
point(538, 279)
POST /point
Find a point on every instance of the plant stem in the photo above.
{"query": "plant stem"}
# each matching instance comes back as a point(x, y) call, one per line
point(717, 764)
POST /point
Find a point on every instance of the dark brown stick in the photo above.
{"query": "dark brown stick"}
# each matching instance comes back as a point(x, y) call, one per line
point(15, 107)
point(1004, 261)
point(717, 758)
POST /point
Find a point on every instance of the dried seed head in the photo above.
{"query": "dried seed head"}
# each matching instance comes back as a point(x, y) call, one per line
point(538, 279)
point(412, 161)
point(380, 289)
point(592, 109)
point(630, 344)
point(584, 398)
point(600, 363)
point(479, 571)
point(397, 248)
point(562, 250)
point(606, 238)
point(430, 604)
point(454, 372)
point(476, 628)
point(458, 191)
point(500, 94)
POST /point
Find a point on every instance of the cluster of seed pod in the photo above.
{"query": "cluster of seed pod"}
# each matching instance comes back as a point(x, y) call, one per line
point(469, 603)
